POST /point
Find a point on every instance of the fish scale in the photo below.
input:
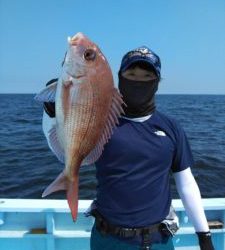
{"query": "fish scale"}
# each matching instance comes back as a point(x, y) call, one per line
point(77, 128)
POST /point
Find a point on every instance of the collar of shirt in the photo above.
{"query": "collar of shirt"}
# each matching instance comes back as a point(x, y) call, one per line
point(138, 119)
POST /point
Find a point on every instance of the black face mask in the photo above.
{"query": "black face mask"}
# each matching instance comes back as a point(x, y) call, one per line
point(138, 96)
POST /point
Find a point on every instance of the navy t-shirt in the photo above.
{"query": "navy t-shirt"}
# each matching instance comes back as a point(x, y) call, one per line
point(133, 171)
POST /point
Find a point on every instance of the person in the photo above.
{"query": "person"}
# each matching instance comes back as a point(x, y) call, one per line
point(132, 208)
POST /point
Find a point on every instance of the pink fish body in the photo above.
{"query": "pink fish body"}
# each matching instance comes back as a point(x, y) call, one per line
point(87, 109)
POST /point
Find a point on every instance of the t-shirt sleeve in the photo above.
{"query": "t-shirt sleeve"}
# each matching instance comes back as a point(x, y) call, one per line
point(183, 157)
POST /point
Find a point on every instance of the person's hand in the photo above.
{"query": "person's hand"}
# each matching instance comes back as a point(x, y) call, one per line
point(205, 241)
point(49, 108)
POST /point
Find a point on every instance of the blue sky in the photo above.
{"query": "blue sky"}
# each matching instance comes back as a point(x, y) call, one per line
point(189, 37)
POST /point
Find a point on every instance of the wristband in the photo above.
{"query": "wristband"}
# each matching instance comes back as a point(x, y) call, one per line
point(205, 241)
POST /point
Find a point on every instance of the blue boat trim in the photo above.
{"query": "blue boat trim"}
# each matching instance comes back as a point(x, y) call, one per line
point(28, 224)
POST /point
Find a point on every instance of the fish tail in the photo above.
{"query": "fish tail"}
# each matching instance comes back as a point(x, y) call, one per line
point(72, 186)
point(62, 182)
point(72, 195)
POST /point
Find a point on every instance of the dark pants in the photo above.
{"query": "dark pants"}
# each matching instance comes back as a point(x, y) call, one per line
point(107, 242)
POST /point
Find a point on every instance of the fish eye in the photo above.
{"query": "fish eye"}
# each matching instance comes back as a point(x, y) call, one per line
point(89, 55)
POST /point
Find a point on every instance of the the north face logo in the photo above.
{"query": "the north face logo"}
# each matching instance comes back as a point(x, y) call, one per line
point(160, 133)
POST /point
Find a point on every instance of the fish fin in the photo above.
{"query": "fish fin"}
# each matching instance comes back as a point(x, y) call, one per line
point(60, 183)
point(71, 187)
point(47, 94)
point(72, 196)
point(115, 111)
point(55, 144)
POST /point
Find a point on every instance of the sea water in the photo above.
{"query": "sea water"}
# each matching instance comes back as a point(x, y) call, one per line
point(27, 165)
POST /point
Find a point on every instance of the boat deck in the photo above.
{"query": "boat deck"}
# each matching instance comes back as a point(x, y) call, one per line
point(27, 224)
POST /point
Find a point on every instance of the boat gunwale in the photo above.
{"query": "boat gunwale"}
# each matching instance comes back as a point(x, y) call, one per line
point(51, 205)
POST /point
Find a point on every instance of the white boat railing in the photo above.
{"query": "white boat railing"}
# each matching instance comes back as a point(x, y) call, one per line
point(30, 224)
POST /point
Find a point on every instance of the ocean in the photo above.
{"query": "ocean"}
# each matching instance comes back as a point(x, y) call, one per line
point(27, 165)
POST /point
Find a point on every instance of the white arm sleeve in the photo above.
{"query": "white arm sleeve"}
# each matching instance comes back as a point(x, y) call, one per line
point(191, 198)
point(47, 124)
point(49, 129)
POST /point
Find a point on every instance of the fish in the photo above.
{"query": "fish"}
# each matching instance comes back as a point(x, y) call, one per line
point(88, 107)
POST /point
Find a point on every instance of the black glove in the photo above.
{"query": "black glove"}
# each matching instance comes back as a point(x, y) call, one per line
point(49, 107)
point(205, 241)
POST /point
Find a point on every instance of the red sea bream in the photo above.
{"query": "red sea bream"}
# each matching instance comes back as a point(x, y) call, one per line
point(87, 109)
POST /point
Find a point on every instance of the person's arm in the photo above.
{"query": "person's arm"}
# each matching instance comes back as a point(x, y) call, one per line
point(191, 198)
point(49, 127)
point(188, 188)
point(47, 124)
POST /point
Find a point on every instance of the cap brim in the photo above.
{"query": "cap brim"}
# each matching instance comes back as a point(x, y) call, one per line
point(140, 59)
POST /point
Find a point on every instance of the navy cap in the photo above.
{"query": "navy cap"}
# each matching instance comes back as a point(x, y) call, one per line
point(143, 54)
